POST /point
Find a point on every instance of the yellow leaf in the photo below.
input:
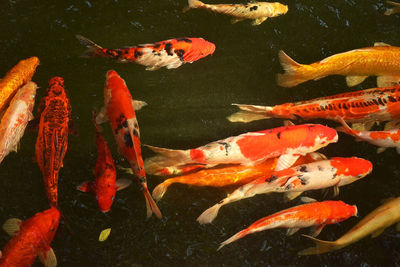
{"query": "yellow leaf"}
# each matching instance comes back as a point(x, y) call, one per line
point(104, 234)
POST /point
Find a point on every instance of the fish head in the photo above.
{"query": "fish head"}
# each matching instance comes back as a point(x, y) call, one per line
point(105, 201)
point(105, 190)
point(200, 48)
point(351, 169)
point(31, 64)
point(47, 222)
point(323, 135)
point(56, 87)
point(280, 9)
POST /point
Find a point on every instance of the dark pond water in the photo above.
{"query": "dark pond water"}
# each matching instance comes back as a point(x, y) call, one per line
point(187, 108)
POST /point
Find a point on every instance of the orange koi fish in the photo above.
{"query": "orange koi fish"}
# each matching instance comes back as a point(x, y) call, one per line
point(170, 53)
point(395, 9)
point(296, 180)
point(30, 239)
point(287, 143)
point(356, 65)
point(15, 119)
point(373, 224)
point(15, 78)
point(119, 110)
point(316, 214)
point(383, 139)
point(257, 11)
point(52, 141)
point(105, 185)
point(375, 104)
point(236, 175)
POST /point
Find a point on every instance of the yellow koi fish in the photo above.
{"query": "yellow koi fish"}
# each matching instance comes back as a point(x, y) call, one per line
point(395, 9)
point(380, 60)
point(257, 11)
point(373, 224)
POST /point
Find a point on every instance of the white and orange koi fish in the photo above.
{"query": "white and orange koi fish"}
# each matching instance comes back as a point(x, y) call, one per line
point(380, 60)
point(316, 214)
point(257, 11)
point(293, 181)
point(16, 118)
point(287, 142)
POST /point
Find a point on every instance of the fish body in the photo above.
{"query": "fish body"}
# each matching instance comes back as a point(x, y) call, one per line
point(235, 175)
point(170, 53)
point(118, 106)
point(375, 104)
point(287, 142)
point(373, 224)
point(52, 141)
point(334, 172)
point(105, 184)
point(316, 214)
point(30, 239)
point(256, 11)
point(395, 9)
point(357, 65)
point(15, 78)
point(16, 117)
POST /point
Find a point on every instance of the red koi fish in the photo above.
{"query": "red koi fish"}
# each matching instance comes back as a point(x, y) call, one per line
point(15, 119)
point(316, 214)
point(105, 185)
point(294, 181)
point(119, 110)
point(383, 139)
point(52, 141)
point(375, 104)
point(30, 239)
point(170, 53)
point(287, 142)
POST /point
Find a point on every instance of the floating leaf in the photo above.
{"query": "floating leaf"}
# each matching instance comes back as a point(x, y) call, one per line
point(104, 234)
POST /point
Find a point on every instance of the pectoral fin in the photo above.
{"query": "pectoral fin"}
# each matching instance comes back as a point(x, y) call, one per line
point(85, 187)
point(315, 231)
point(335, 191)
point(308, 200)
point(137, 104)
point(286, 161)
point(291, 195)
point(48, 258)
point(381, 44)
point(122, 183)
point(126, 170)
point(354, 80)
point(12, 226)
point(387, 81)
point(291, 231)
point(288, 123)
point(377, 232)
point(258, 21)
point(380, 149)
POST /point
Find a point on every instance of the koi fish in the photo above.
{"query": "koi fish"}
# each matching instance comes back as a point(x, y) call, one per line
point(257, 11)
point(170, 53)
point(15, 119)
point(30, 239)
point(236, 175)
point(292, 182)
point(15, 78)
point(383, 139)
point(105, 184)
point(52, 141)
point(119, 110)
point(317, 214)
point(287, 143)
point(356, 65)
point(363, 106)
point(373, 224)
point(395, 9)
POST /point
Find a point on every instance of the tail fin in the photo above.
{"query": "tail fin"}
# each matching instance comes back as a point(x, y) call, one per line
point(160, 190)
point(166, 158)
point(234, 237)
point(209, 215)
point(346, 128)
point(193, 4)
point(151, 206)
point(321, 247)
point(290, 78)
point(250, 113)
point(93, 48)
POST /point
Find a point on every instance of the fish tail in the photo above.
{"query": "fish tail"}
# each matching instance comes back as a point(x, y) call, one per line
point(93, 48)
point(151, 206)
point(235, 237)
point(165, 158)
point(160, 190)
point(292, 75)
point(210, 214)
point(250, 113)
point(346, 128)
point(321, 247)
point(193, 4)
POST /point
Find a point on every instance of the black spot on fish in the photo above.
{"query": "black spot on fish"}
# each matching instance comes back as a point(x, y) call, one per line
point(345, 106)
point(180, 53)
point(168, 48)
point(384, 100)
point(253, 8)
point(298, 117)
point(138, 53)
point(109, 166)
point(340, 105)
point(307, 111)
point(186, 40)
point(157, 46)
point(320, 168)
point(303, 169)
point(323, 108)
point(381, 102)
point(226, 146)
point(271, 179)
point(142, 180)
point(303, 179)
point(357, 104)
point(288, 187)
point(135, 133)
point(128, 140)
point(334, 175)
point(278, 135)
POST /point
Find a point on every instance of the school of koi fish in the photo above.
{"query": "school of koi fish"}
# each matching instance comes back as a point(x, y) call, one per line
point(281, 160)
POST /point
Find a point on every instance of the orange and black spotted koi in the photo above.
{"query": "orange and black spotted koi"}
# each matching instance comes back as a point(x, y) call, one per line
point(375, 104)
point(170, 53)
point(52, 141)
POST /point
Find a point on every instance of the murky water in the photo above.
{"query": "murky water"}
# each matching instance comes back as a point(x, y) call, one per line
point(187, 108)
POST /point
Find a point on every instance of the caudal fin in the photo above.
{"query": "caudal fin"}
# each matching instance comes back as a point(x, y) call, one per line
point(165, 158)
point(93, 48)
point(209, 215)
point(234, 238)
point(250, 113)
point(291, 77)
point(193, 4)
point(346, 128)
point(160, 190)
point(151, 206)
point(321, 247)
